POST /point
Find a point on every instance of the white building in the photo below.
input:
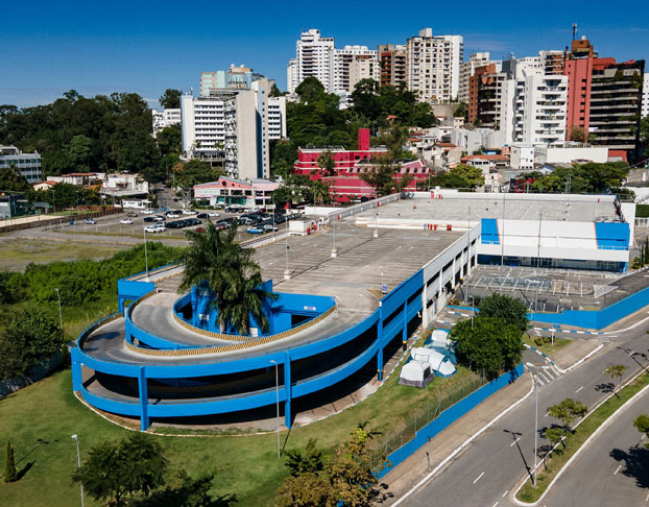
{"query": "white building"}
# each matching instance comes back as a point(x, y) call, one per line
point(165, 118)
point(314, 56)
point(291, 75)
point(433, 65)
point(569, 154)
point(276, 118)
point(540, 105)
point(351, 65)
point(203, 125)
point(521, 156)
point(471, 140)
point(645, 96)
point(468, 68)
point(30, 165)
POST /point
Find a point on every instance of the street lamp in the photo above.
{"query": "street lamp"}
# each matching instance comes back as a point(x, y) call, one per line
point(287, 272)
point(76, 439)
point(376, 225)
point(58, 295)
point(334, 250)
point(536, 422)
point(279, 453)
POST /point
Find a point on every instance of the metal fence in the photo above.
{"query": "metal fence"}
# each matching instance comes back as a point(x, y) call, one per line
point(423, 414)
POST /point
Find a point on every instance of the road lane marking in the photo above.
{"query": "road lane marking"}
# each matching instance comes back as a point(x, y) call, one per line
point(617, 470)
point(579, 389)
point(479, 477)
point(647, 499)
point(514, 442)
point(494, 505)
point(505, 494)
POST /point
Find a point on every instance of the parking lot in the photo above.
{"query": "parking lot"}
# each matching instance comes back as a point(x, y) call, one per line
point(113, 225)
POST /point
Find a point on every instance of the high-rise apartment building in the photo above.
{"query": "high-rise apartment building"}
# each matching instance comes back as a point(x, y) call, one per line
point(351, 65)
point(235, 125)
point(645, 96)
point(315, 57)
point(604, 99)
point(291, 75)
point(165, 118)
point(467, 69)
point(392, 60)
point(486, 96)
point(433, 65)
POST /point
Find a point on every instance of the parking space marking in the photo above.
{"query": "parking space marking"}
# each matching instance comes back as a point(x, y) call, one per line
point(478, 478)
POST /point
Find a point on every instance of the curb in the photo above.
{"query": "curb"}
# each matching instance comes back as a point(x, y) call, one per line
point(446, 460)
point(573, 366)
point(586, 443)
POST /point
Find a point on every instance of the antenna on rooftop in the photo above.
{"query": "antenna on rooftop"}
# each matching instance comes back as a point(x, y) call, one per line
point(574, 31)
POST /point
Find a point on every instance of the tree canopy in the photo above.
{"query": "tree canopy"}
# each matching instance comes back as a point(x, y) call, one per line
point(584, 178)
point(509, 310)
point(170, 99)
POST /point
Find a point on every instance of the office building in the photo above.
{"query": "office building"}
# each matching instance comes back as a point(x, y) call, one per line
point(235, 78)
point(29, 165)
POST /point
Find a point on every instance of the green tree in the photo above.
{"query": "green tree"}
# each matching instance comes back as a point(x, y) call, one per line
point(326, 163)
point(567, 411)
point(616, 371)
point(216, 261)
point(311, 461)
point(306, 490)
point(556, 435)
point(381, 175)
point(487, 345)
point(310, 90)
point(641, 423)
point(170, 99)
point(11, 474)
point(12, 181)
point(80, 153)
point(28, 339)
point(189, 492)
point(113, 471)
point(472, 176)
point(509, 310)
point(462, 110)
point(577, 134)
point(169, 140)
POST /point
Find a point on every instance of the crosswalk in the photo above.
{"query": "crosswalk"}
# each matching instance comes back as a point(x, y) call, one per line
point(546, 374)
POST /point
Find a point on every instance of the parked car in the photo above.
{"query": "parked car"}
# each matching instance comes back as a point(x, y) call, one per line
point(202, 215)
point(177, 224)
point(213, 214)
point(90, 221)
point(155, 228)
point(132, 214)
point(159, 218)
point(255, 229)
point(149, 219)
point(279, 219)
point(147, 212)
point(189, 212)
point(270, 228)
point(126, 221)
point(194, 221)
point(171, 214)
point(200, 229)
point(234, 209)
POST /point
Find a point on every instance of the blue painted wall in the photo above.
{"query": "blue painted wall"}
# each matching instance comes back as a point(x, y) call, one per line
point(490, 234)
point(449, 416)
point(612, 236)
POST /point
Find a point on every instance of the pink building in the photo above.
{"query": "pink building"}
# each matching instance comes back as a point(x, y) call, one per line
point(346, 184)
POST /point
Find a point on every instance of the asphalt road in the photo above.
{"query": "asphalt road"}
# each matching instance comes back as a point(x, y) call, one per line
point(614, 470)
point(488, 469)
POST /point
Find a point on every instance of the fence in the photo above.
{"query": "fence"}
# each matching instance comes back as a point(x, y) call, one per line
point(436, 416)
point(50, 222)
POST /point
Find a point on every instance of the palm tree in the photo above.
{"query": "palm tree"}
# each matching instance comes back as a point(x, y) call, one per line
point(216, 261)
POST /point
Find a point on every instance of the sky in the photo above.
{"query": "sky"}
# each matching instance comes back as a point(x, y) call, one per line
point(47, 48)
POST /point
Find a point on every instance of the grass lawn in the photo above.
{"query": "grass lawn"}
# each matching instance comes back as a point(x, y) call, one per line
point(547, 348)
point(40, 419)
point(574, 440)
point(16, 254)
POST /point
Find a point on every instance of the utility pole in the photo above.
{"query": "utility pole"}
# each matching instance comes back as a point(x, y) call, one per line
point(536, 422)
point(146, 256)
point(502, 239)
point(76, 439)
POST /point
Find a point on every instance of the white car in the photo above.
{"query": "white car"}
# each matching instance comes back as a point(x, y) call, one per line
point(126, 221)
point(147, 212)
point(213, 214)
point(155, 228)
point(189, 212)
point(172, 215)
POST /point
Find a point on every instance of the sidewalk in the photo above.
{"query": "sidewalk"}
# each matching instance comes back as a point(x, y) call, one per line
point(415, 468)
point(570, 354)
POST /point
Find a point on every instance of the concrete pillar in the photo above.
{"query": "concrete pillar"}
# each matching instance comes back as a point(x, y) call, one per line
point(379, 334)
point(453, 272)
point(75, 362)
point(424, 307)
point(144, 400)
point(468, 252)
point(404, 334)
point(287, 390)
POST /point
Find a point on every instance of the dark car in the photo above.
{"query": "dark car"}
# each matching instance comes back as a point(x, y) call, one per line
point(149, 219)
point(194, 221)
point(279, 219)
point(176, 224)
point(203, 215)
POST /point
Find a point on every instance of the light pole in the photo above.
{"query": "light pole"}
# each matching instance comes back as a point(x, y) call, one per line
point(76, 439)
point(146, 256)
point(58, 295)
point(536, 421)
point(502, 240)
point(472, 299)
point(287, 272)
point(279, 452)
point(334, 250)
point(376, 225)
